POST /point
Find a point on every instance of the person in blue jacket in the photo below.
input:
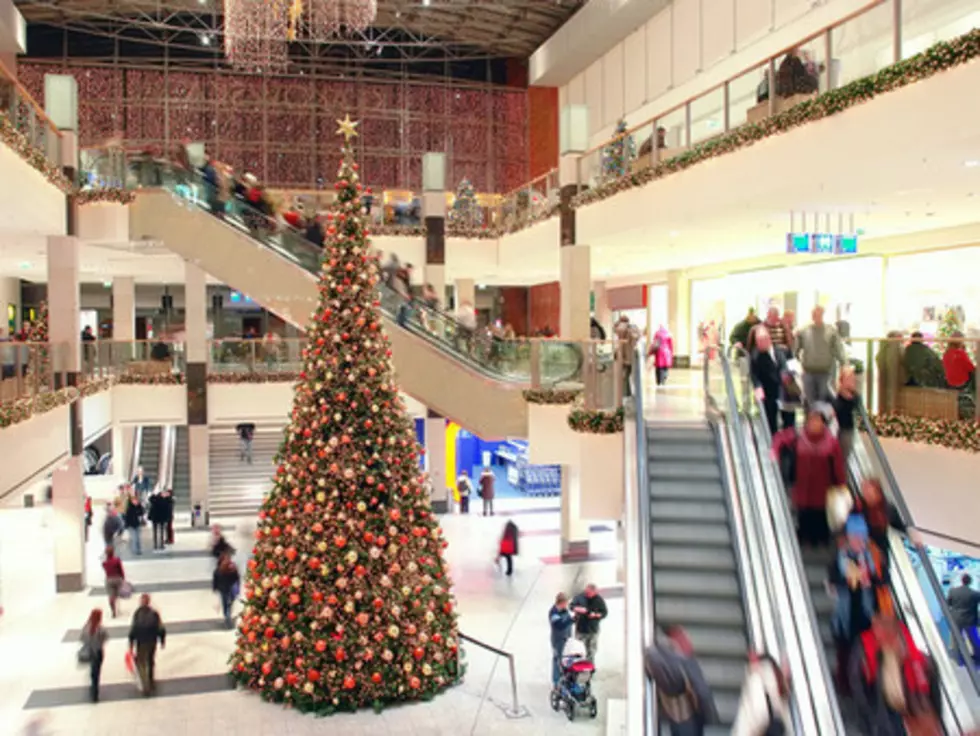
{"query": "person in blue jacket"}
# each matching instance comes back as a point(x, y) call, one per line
point(561, 622)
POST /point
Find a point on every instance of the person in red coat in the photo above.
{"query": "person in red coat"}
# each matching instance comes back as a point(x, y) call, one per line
point(818, 465)
point(508, 546)
point(958, 367)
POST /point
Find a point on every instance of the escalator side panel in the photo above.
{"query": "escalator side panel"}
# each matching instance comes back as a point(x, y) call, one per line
point(492, 409)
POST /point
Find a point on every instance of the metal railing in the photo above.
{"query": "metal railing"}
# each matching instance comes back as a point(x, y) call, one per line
point(27, 117)
point(516, 710)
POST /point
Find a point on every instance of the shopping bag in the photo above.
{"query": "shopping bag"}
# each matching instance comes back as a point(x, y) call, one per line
point(125, 589)
point(130, 662)
point(839, 505)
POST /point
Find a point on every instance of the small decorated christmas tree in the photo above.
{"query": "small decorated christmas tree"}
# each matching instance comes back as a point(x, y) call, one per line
point(949, 324)
point(465, 211)
point(616, 157)
point(348, 600)
point(39, 357)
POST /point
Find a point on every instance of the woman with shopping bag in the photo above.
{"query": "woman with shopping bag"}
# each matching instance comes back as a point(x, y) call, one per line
point(92, 650)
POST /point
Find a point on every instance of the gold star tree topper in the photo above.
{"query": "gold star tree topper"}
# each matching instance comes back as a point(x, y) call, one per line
point(348, 128)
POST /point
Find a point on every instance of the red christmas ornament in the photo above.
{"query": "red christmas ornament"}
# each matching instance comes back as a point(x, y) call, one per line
point(321, 645)
point(349, 682)
point(313, 676)
point(376, 678)
point(270, 633)
point(290, 553)
point(418, 652)
point(266, 668)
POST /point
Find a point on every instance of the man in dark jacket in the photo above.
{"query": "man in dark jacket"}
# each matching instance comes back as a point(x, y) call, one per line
point(112, 525)
point(246, 432)
point(589, 609)
point(561, 631)
point(963, 601)
point(158, 517)
point(684, 697)
point(740, 333)
point(134, 521)
point(144, 632)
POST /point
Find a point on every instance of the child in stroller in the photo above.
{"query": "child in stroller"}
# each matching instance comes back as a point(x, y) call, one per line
point(574, 689)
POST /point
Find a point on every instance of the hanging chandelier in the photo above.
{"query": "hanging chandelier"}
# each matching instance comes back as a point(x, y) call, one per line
point(324, 19)
point(257, 35)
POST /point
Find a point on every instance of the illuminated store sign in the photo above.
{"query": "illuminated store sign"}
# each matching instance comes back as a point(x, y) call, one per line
point(822, 244)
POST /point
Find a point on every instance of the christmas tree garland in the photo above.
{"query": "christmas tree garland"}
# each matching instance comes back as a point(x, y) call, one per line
point(940, 57)
point(348, 600)
point(551, 396)
point(960, 434)
point(255, 377)
point(34, 156)
point(110, 195)
point(597, 421)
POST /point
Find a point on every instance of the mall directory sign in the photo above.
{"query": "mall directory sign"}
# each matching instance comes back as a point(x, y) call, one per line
point(821, 244)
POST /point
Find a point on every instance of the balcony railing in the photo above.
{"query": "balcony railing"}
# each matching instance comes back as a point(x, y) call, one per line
point(25, 116)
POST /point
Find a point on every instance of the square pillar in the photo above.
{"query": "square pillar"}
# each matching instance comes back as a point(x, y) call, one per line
point(68, 526)
point(199, 453)
point(574, 530)
point(123, 437)
point(434, 214)
point(196, 347)
point(576, 291)
point(64, 318)
point(465, 292)
point(435, 460)
point(10, 297)
point(679, 312)
point(123, 308)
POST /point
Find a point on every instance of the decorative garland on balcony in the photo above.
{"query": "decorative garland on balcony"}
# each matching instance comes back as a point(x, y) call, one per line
point(95, 385)
point(155, 379)
point(940, 57)
point(33, 155)
point(15, 412)
point(551, 396)
point(596, 422)
point(264, 377)
point(956, 435)
point(397, 230)
point(113, 195)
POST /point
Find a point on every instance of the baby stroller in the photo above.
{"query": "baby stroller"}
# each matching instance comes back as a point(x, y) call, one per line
point(574, 689)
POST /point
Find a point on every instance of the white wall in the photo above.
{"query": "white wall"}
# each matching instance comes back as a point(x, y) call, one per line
point(29, 203)
point(689, 47)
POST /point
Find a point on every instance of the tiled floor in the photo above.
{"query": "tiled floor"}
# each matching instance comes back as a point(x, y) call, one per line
point(44, 689)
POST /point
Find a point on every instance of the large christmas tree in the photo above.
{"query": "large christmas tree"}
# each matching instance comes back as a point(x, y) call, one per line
point(465, 211)
point(348, 601)
point(616, 157)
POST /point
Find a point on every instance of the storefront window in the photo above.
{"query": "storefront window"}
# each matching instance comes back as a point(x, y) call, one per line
point(921, 288)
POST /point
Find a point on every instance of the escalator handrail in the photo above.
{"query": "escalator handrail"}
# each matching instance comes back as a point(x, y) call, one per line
point(821, 687)
point(308, 256)
point(896, 496)
point(645, 552)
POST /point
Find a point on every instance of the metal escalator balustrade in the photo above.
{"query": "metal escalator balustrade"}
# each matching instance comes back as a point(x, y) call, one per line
point(552, 361)
point(151, 446)
point(180, 479)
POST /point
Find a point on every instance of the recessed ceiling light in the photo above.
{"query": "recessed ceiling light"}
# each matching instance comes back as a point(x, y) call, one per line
point(674, 233)
point(425, 3)
point(971, 164)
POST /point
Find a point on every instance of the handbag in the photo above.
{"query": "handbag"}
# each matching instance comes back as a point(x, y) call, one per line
point(125, 589)
point(84, 655)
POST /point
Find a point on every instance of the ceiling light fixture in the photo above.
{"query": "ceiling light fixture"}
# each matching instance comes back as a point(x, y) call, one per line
point(426, 3)
point(971, 164)
point(674, 233)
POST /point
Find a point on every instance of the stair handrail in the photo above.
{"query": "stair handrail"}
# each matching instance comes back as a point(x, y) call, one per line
point(641, 700)
point(166, 454)
point(516, 710)
point(820, 688)
point(134, 461)
point(881, 460)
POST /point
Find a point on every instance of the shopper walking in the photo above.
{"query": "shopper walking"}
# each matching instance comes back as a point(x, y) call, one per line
point(142, 483)
point(112, 526)
point(219, 546)
point(226, 582)
point(963, 601)
point(145, 631)
point(845, 404)
point(92, 651)
point(561, 621)
point(158, 518)
point(627, 335)
point(763, 707)
point(465, 487)
point(819, 349)
point(134, 523)
point(115, 578)
point(589, 609)
point(487, 490)
point(507, 549)
point(766, 372)
point(168, 514)
point(685, 700)
point(246, 433)
point(662, 350)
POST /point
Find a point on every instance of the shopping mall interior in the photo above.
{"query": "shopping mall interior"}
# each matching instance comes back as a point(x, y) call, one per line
point(441, 313)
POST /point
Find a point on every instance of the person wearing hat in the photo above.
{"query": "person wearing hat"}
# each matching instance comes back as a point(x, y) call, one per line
point(561, 621)
point(854, 574)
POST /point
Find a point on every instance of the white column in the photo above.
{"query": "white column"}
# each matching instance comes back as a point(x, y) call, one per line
point(64, 320)
point(10, 297)
point(68, 526)
point(435, 456)
point(679, 312)
point(123, 308)
point(574, 530)
point(603, 315)
point(465, 291)
point(199, 452)
point(123, 437)
point(576, 288)
point(196, 313)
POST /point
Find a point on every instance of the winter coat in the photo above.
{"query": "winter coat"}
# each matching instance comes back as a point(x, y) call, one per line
point(761, 702)
point(683, 693)
point(584, 623)
point(147, 627)
point(819, 465)
point(664, 355)
point(963, 601)
point(561, 627)
point(112, 525)
point(487, 491)
point(226, 579)
point(158, 509)
point(134, 514)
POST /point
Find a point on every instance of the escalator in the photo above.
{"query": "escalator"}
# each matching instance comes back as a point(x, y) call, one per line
point(907, 592)
point(148, 457)
point(695, 573)
point(180, 478)
point(436, 361)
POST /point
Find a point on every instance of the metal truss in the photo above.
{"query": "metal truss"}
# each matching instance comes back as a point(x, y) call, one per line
point(450, 30)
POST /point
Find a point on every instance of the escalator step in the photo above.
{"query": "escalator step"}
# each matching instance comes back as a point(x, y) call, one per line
point(680, 434)
point(706, 489)
point(719, 559)
point(707, 584)
point(721, 642)
point(674, 450)
point(695, 511)
point(716, 535)
point(723, 674)
point(686, 610)
point(677, 469)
